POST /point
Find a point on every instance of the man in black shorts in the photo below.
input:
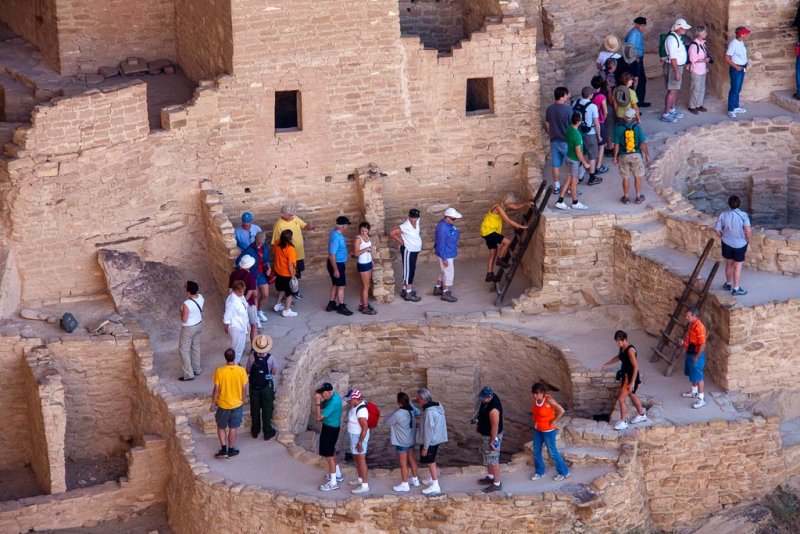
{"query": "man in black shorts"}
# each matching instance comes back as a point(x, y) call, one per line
point(431, 432)
point(733, 227)
point(329, 413)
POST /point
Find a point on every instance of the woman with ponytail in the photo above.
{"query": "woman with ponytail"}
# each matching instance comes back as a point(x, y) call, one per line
point(402, 434)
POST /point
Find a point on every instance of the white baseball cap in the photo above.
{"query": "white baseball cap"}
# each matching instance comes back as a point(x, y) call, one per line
point(681, 23)
point(451, 212)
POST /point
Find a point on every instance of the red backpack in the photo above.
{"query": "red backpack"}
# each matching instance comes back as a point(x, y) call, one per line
point(373, 415)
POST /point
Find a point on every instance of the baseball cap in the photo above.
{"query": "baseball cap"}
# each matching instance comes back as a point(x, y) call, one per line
point(413, 213)
point(326, 386)
point(247, 217)
point(681, 23)
point(451, 212)
point(247, 262)
point(485, 393)
point(353, 394)
point(630, 114)
point(341, 220)
point(742, 30)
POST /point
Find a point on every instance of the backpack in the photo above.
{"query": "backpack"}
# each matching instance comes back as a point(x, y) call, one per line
point(69, 322)
point(662, 44)
point(581, 108)
point(260, 375)
point(629, 140)
point(622, 95)
point(689, 63)
point(373, 414)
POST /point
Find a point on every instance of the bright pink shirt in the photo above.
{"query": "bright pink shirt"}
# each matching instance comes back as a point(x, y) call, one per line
point(697, 56)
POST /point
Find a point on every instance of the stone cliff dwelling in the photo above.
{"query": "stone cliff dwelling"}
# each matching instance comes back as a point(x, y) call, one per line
point(134, 135)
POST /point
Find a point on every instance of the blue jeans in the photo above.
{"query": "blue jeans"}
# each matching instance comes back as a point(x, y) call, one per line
point(549, 440)
point(797, 73)
point(737, 80)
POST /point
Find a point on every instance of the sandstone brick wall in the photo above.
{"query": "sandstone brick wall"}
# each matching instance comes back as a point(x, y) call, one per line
point(438, 24)
point(93, 33)
point(36, 22)
point(15, 434)
point(220, 242)
point(203, 37)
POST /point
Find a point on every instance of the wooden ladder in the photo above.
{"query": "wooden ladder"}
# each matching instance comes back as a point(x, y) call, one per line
point(670, 348)
point(522, 238)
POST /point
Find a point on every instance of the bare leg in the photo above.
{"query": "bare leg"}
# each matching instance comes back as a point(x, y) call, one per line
point(623, 408)
point(504, 247)
point(361, 467)
point(340, 295)
point(333, 293)
point(434, 471)
point(636, 403)
point(413, 462)
point(403, 466)
point(231, 437)
point(222, 435)
point(729, 270)
point(637, 184)
point(365, 280)
point(490, 261)
point(495, 471)
point(737, 273)
point(626, 188)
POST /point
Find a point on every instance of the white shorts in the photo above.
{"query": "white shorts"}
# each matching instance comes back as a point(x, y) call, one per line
point(448, 273)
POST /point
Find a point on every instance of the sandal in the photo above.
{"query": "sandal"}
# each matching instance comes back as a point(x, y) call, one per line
point(625, 200)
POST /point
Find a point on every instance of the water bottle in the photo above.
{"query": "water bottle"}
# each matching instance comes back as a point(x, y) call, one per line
point(496, 442)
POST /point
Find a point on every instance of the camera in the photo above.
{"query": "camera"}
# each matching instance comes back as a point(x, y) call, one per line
point(710, 61)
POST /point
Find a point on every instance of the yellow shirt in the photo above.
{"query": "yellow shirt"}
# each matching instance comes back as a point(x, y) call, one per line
point(295, 225)
point(230, 379)
point(492, 223)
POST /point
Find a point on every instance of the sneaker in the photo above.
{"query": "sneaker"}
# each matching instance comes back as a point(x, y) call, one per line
point(639, 199)
point(502, 263)
point(594, 181)
point(556, 187)
point(493, 488)
point(339, 478)
point(625, 200)
point(562, 477)
point(740, 110)
point(299, 295)
point(289, 313)
point(368, 310)
point(233, 452)
point(344, 310)
point(562, 206)
point(640, 418)
point(621, 425)
point(569, 193)
point(222, 453)
point(537, 476)
point(437, 291)
point(701, 108)
point(261, 316)
point(363, 488)
point(329, 486)
point(668, 118)
point(699, 403)
point(329, 308)
point(689, 395)
point(278, 307)
point(738, 292)
point(485, 481)
point(433, 490)
point(410, 296)
point(726, 286)
point(427, 481)
point(731, 114)
point(413, 481)
point(355, 482)
point(694, 111)
point(184, 379)
point(601, 170)
point(402, 487)
point(448, 297)
point(580, 206)
point(677, 114)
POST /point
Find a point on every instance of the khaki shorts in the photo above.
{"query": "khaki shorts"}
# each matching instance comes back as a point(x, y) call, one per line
point(669, 76)
point(631, 163)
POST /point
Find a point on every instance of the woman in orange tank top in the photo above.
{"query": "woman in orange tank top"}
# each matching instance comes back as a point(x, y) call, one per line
point(546, 411)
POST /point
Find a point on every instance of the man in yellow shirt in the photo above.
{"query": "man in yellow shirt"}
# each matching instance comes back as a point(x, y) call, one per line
point(227, 399)
point(289, 221)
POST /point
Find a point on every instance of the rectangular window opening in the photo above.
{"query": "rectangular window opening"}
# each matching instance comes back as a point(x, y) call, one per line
point(287, 111)
point(480, 96)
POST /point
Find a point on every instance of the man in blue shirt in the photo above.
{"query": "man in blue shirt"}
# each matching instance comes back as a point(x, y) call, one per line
point(329, 413)
point(246, 233)
point(337, 256)
point(636, 37)
point(446, 249)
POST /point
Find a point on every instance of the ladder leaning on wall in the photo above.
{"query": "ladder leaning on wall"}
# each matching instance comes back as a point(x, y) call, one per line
point(522, 238)
point(670, 347)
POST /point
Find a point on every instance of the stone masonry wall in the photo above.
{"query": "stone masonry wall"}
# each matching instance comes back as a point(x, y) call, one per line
point(203, 37)
point(15, 434)
point(36, 22)
point(439, 25)
point(220, 243)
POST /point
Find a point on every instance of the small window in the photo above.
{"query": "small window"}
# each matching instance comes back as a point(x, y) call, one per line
point(287, 111)
point(480, 96)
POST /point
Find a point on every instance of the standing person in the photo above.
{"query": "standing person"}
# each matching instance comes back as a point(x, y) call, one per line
point(431, 433)
point(630, 381)
point(402, 434)
point(698, 69)
point(600, 99)
point(407, 236)
point(492, 232)
point(446, 249)
point(261, 270)
point(245, 274)
point(362, 249)
point(246, 232)
point(358, 431)
point(337, 256)
point(694, 346)
point(546, 411)
point(577, 164)
point(673, 69)
point(289, 221)
point(285, 270)
point(611, 48)
point(590, 131)
point(191, 326)
point(261, 370)
point(227, 399)
point(736, 58)
point(557, 121)
point(635, 36)
point(329, 413)
point(629, 145)
point(490, 427)
point(733, 226)
point(624, 100)
point(235, 320)
point(796, 24)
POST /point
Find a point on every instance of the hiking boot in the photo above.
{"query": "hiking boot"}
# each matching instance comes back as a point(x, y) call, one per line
point(486, 481)
point(233, 452)
point(448, 297)
point(344, 310)
point(493, 488)
point(222, 453)
point(639, 199)
point(502, 263)
point(331, 306)
point(329, 486)
point(701, 108)
point(437, 291)
point(625, 200)
point(726, 286)
point(594, 181)
point(410, 296)
point(738, 292)
point(694, 111)
point(368, 310)
point(490, 277)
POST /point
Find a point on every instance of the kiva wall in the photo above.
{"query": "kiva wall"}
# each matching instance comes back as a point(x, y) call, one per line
point(203, 37)
point(15, 433)
point(35, 20)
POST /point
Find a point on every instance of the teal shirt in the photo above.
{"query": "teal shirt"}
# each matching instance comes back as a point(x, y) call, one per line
point(574, 143)
point(331, 410)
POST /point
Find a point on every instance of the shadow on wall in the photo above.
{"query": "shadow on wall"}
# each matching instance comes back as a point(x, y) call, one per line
point(441, 24)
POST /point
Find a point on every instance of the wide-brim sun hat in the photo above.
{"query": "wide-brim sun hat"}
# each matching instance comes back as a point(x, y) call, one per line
point(611, 43)
point(262, 343)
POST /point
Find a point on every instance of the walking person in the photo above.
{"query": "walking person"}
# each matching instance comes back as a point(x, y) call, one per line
point(235, 320)
point(635, 36)
point(260, 371)
point(261, 270)
point(329, 412)
point(191, 326)
point(698, 70)
point(285, 270)
point(289, 221)
point(600, 99)
point(362, 249)
point(358, 431)
point(694, 347)
point(546, 412)
point(736, 58)
point(590, 131)
point(673, 69)
point(557, 121)
point(244, 274)
point(630, 381)
point(446, 249)
point(337, 256)
point(402, 434)
point(490, 427)
point(408, 237)
point(577, 164)
point(431, 433)
point(227, 399)
point(733, 227)
point(492, 232)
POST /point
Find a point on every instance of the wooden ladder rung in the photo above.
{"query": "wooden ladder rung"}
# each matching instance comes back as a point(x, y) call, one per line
point(671, 339)
point(661, 355)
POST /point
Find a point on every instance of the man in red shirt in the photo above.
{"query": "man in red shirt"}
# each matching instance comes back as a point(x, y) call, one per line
point(694, 346)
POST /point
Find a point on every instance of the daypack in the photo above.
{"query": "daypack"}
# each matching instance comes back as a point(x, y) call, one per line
point(689, 63)
point(581, 108)
point(622, 95)
point(259, 372)
point(629, 140)
point(662, 44)
point(373, 414)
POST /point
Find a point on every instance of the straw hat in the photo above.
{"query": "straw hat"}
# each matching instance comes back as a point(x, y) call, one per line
point(629, 52)
point(611, 43)
point(262, 343)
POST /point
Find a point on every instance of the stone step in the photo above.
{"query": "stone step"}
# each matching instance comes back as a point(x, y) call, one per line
point(784, 99)
point(16, 100)
point(585, 456)
point(646, 234)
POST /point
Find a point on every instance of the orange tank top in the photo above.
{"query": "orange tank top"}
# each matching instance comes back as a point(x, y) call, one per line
point(543, 415)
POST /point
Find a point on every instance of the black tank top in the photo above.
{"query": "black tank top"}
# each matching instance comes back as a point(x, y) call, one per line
point(484, 425)
point(627, 366)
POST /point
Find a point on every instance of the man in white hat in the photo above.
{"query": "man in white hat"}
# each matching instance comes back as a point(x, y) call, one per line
point(261, 370)
point(673, 69)
point(245, 274)
point(446, 249)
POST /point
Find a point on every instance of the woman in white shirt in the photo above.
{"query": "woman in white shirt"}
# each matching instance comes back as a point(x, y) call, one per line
point(362, 248)
point(236, 320)
point(736, 58)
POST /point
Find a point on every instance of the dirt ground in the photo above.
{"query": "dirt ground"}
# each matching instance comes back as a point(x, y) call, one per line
point(150, 521)
point(90, 472)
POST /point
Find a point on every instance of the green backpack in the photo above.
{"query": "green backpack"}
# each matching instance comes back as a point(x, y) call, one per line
point(662, 44)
